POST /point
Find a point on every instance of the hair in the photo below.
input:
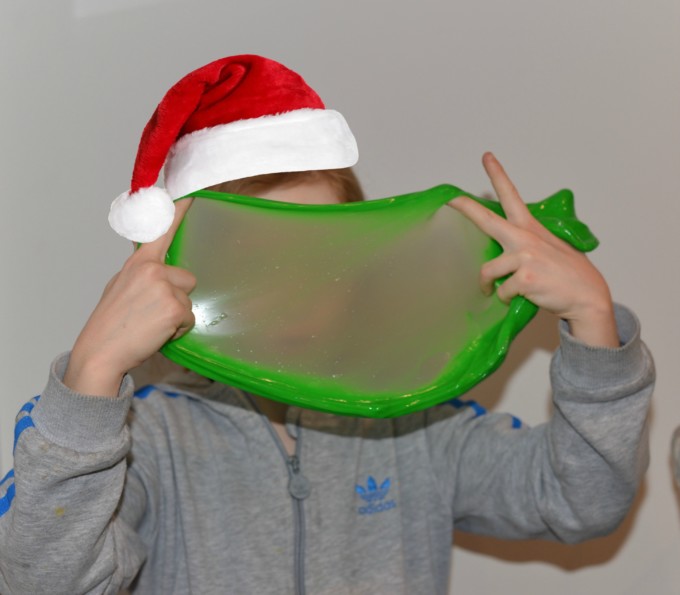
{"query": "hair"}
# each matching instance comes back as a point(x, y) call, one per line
point(344, 181)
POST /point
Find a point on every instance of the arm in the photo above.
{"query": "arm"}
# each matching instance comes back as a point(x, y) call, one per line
point(572, 478)
point(575, 476)
point(70, 524)
point(145, 305)
point(60, 533)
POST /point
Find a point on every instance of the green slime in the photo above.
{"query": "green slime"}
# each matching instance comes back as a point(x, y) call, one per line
point(369, 309)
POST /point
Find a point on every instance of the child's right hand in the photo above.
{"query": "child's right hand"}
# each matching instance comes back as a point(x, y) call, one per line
point(541, 267)
point(144, 305)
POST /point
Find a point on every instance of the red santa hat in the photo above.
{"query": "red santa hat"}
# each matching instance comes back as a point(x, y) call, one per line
point(236, 117)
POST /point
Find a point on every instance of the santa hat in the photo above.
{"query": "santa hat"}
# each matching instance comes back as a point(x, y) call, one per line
point(236, 117)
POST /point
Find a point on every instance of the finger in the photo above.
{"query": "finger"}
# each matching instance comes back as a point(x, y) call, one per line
point(508, 290)
point(180, 278)
point(157, 249)
point(513, 205)
point(525, 282)
point(486, 220)
point(495, 269)
point(185, 301)
point(110, 284)
point(188, 319)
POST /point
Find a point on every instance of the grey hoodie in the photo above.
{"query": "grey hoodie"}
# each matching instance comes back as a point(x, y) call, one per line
point(177, 492)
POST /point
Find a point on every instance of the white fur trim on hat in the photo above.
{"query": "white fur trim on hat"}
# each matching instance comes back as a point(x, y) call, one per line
point(142, 216)
point(301, 140)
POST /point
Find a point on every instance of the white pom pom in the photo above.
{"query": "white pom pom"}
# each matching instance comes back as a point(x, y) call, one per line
point(143, 216)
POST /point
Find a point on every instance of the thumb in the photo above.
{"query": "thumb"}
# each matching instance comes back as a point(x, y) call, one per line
point(157, 249)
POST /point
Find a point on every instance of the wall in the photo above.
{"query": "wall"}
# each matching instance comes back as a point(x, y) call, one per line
point(579, 94)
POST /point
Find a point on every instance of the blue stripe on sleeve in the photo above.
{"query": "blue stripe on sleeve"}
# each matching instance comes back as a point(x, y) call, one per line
point(460, 403)
point(28, 407)
point(24, 421)
point(516, 423)
point(21, 425)
point(145, 391)
point(6, 500)
point(10, 475)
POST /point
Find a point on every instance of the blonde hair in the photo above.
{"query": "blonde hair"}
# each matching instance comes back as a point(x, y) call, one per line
point(344, 181)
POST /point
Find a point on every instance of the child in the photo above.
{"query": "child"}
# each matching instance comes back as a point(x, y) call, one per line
point(225, 492)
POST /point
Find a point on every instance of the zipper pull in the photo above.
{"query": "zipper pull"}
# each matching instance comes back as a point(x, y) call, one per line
point(298, 485)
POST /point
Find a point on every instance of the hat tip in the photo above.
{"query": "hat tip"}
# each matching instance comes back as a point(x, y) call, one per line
point(142, 216)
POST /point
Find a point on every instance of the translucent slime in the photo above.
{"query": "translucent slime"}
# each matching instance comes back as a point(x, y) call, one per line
point(370, 309)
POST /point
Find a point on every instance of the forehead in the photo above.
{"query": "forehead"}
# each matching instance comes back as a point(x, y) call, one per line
point(307, 192)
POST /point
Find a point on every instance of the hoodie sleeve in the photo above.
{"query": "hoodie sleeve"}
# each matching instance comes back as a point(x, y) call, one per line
point(61, 530)
point(570, 479)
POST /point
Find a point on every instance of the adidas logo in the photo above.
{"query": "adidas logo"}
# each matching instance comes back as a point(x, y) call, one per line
point(375, 496)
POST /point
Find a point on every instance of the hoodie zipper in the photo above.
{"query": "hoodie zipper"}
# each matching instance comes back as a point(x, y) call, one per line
point(299, 488)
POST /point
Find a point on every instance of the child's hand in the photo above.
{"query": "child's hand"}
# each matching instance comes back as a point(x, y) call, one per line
point(542, 268)
point(143, 306)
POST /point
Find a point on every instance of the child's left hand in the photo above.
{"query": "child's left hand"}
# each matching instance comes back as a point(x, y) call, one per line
point(542, 268)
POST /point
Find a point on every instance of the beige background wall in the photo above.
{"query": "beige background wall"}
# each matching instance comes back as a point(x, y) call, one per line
point(581, 94)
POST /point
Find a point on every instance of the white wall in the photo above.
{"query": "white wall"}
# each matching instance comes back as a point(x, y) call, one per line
point(581, 94)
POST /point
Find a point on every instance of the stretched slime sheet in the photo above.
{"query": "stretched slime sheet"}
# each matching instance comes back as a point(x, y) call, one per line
point(371, 308)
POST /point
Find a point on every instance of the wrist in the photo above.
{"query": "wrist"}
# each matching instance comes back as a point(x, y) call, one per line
point(88, 375)
point(595, 324)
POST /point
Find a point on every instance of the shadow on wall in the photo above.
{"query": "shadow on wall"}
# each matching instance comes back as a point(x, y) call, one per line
point(540, 334)
point(565, 556)
point(674, 465)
